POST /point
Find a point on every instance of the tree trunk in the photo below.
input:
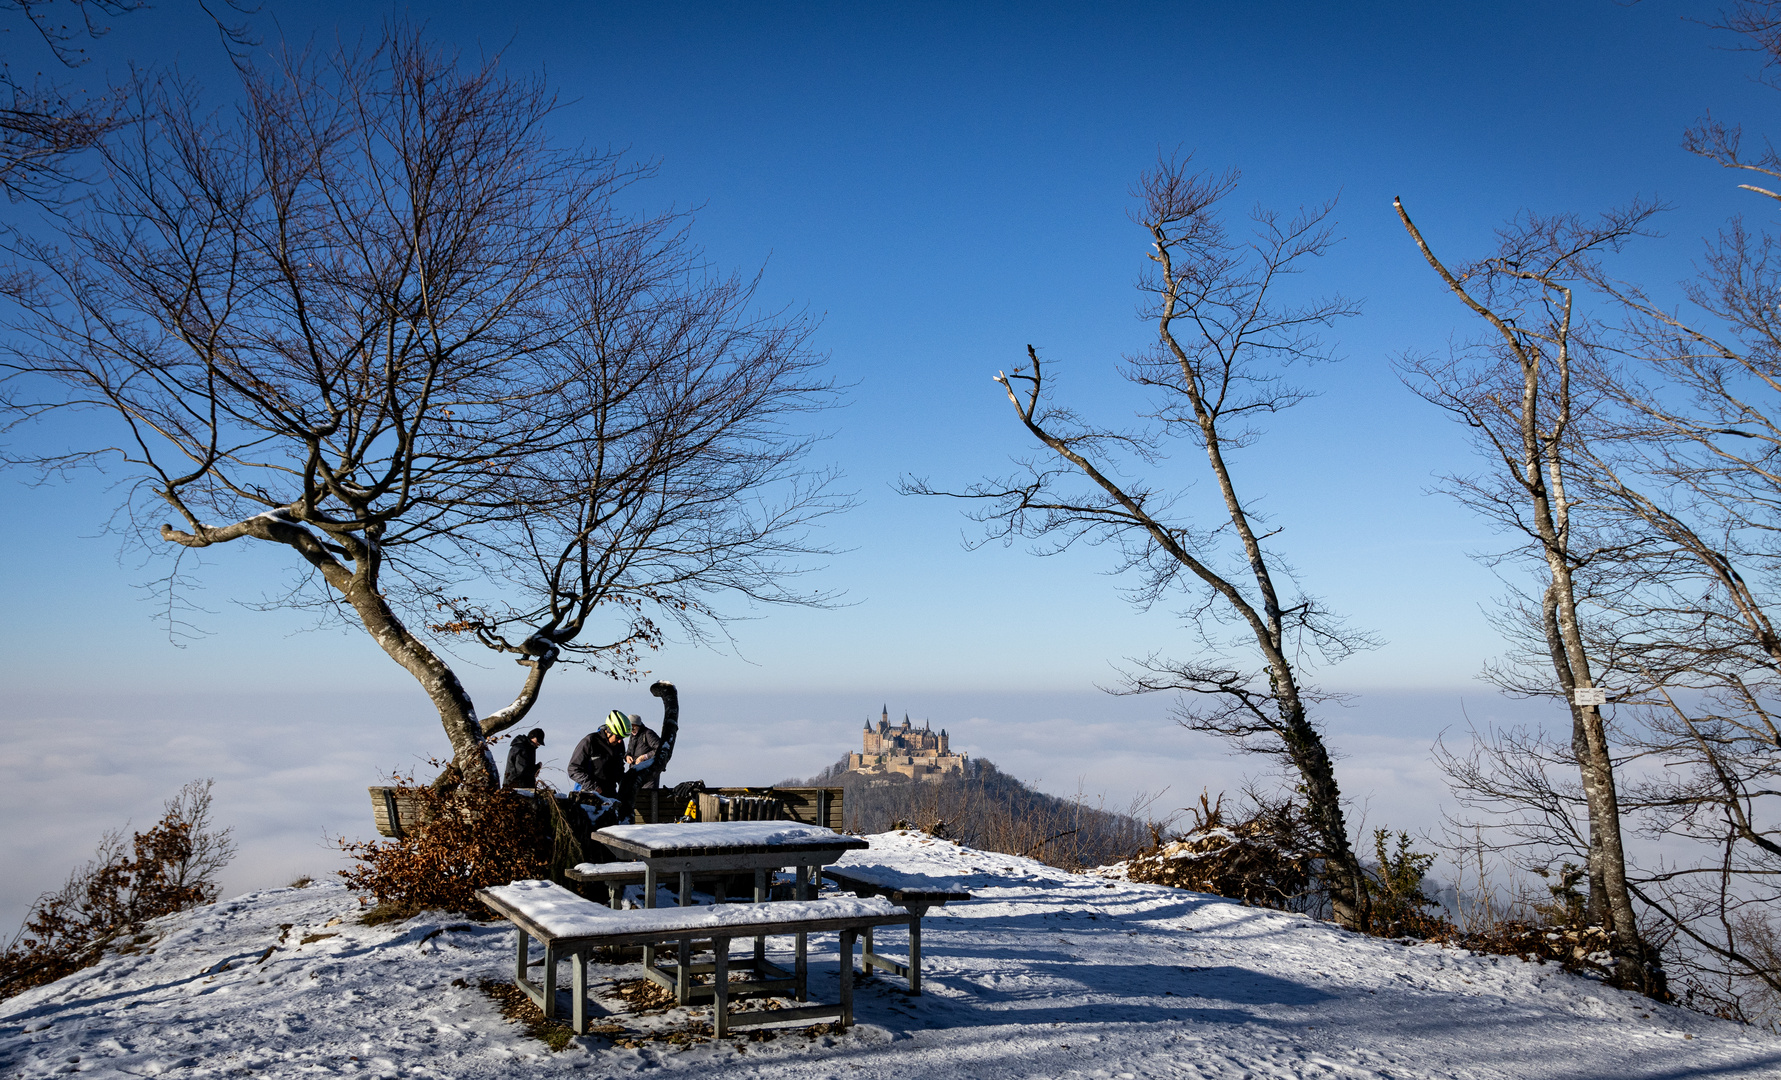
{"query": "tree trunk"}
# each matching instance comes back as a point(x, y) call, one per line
point(1343, 875)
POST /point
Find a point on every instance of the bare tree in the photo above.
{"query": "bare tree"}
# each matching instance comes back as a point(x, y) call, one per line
point(1687, 467)
point(1522, 393)
point(376, 319)
point(1222, 336)
point(42, 122)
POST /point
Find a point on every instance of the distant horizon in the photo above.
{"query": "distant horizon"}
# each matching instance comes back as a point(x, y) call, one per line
point(291, 768)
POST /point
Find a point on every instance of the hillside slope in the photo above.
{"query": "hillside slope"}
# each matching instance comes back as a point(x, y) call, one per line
point(1044, 974)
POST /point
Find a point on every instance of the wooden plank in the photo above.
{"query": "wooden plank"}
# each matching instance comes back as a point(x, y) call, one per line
point(784, 1016)
point(709, 807)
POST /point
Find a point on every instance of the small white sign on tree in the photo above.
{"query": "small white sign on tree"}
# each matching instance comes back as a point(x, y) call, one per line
point(1589, 695)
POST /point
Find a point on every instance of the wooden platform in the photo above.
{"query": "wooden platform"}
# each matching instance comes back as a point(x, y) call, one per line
point(396, 812)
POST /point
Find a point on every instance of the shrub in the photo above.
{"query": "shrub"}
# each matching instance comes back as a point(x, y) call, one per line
point(171, 867)
point(1394, 886)
point(468, 839)
point(1257, 860)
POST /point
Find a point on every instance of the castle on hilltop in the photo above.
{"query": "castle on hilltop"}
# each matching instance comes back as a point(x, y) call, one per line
point(919, 753)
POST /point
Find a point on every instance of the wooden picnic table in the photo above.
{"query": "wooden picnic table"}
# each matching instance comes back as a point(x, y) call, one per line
point(570, 926)
point(729, 847)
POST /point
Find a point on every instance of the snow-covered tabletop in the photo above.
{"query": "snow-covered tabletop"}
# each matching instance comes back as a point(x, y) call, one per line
point(565, 915)
point(720, 838)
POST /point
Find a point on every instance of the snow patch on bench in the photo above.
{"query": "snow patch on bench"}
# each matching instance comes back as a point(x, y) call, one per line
point(592, 869)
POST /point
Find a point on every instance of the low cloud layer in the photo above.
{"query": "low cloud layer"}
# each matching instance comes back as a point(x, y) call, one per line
point(291, 768)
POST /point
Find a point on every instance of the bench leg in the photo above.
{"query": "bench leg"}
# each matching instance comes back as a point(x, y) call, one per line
point(519, 957)
point(578, 990)
point(649, 901)
point(720, 987)
point(847, 939)
point(686, 888)
point(615, 893)
point(549, 982)
point(683, 980)
point(865, 955)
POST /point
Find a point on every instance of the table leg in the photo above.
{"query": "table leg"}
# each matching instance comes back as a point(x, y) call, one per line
point(720, 987)
point(686, 888)
point(519, 957)
point(865, 955)
point(847, 937)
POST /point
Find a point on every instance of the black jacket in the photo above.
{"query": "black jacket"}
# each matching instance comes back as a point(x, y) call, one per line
point(522, 764)
point(645, 743)
point(598, 765)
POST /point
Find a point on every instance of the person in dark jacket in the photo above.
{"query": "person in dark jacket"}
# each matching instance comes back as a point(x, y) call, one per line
point(522, 760)
point(640, 754)
point(640, 771)
point(598, 763)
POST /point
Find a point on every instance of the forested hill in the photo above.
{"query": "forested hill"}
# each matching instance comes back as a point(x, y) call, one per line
point(989, 810)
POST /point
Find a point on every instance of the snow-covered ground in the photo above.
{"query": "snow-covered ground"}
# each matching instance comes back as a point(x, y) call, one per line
point(1043, 974)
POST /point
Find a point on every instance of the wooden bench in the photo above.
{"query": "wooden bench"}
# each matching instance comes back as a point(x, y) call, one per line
point(913, 892)
point(614, 875)
point(570, 926)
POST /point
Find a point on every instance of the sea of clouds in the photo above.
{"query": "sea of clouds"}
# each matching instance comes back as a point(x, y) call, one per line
point(291, 766)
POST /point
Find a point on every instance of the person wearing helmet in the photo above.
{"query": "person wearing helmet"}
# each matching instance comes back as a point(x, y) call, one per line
point(598, 763)
point(522, 760)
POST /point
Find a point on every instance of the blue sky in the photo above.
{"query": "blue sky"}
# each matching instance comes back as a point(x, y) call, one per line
point(943, 184)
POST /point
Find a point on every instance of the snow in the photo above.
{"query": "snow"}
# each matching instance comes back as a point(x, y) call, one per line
point(610, 868)
point(1044, 974)
point(566, 915)
point(868, 866)
point(702, 834)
